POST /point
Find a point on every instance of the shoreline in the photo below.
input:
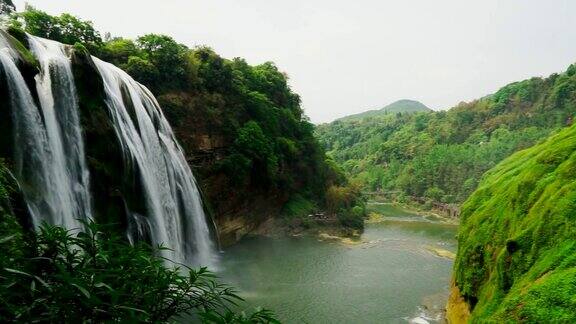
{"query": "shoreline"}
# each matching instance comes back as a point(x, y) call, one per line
point(413, 208)
point(277, 227)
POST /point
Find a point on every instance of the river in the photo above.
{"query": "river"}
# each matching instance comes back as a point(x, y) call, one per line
point(394, 276)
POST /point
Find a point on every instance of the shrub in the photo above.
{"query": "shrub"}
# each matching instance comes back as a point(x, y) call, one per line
point(96, 277)
point(353, 218)
point(298, 206)
point(434, 193)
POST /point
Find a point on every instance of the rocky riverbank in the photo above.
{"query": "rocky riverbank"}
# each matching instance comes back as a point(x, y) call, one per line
point(457, 309)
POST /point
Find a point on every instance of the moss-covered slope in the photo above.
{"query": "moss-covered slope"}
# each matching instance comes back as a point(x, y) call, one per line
point(517, 242)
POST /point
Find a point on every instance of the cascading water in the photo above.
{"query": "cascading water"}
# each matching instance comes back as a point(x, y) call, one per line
point(57, 94)
point(172, 196)
point(50, 160)
point(55, 186)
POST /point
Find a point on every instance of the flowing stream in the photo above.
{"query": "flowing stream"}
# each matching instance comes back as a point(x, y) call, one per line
point(393, 276)
point(50, 160)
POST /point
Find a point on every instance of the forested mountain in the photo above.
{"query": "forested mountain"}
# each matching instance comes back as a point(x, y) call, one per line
point(442, 155)
point(517, 243)
point(400, 106)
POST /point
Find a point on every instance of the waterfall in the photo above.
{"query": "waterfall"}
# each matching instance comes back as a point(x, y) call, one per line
point(50, 159)
point(50, 181)
point(59, 106)
point(172, 196)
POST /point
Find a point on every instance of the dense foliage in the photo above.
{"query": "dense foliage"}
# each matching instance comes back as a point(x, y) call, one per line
point(517, 243)
point(9, 227)
point(246, 116)
point(96, 277)
point(64, 28)
point(442, 155)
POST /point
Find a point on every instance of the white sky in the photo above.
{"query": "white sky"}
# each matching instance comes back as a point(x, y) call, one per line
point(347, 56)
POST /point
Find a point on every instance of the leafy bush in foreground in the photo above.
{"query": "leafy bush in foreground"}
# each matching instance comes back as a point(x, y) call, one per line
point(96, 277)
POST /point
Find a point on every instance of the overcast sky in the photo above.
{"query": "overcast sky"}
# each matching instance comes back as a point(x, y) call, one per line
point(347, 56)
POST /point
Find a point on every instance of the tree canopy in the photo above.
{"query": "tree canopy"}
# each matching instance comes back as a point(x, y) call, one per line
point(64, 28)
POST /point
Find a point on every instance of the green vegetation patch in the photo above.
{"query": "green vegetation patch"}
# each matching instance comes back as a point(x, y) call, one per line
point(441, 156)
point(298, 206)
point(16, 38)
point(517, 241)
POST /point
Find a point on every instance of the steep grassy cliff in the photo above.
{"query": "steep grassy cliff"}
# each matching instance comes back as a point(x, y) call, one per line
point(517, 242)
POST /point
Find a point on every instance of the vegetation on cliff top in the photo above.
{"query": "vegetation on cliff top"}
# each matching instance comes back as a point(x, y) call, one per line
point(517, 243)
point(442, 155)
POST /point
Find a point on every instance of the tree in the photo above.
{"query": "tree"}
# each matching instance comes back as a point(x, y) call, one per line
point(142, 70)
point(118, 50)
point(169, 58)
point(253, 144)
point(64, 28)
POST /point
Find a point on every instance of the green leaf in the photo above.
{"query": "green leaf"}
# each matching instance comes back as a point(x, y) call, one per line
point(18, 272)
point(43, 282)
point(132, 309)
point(82, 290)
point(7, 238)
point(101, 284)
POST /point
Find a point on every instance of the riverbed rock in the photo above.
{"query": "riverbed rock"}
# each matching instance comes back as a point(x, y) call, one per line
point(457, 309)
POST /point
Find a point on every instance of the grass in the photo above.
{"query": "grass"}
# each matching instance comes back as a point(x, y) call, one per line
point(517, 242)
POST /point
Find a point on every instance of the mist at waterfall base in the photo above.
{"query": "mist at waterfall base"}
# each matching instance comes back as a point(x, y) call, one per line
point(50, 160)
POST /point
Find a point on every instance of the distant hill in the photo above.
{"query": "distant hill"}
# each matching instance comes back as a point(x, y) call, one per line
point(400, 106)
point(443, 155)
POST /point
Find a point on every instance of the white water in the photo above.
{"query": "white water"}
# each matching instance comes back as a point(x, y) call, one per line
point(55, 186)
point(50, 161)
point(172, 196)
point(69, 196)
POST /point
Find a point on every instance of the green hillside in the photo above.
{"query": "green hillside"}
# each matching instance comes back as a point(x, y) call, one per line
point(517, 243)
point(442, 155)
point(400, 106)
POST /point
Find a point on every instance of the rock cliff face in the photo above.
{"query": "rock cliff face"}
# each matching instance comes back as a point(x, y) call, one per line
point(238, 208)
point(457, 309)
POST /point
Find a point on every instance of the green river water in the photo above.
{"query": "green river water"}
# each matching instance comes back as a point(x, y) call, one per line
point(392, 277)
